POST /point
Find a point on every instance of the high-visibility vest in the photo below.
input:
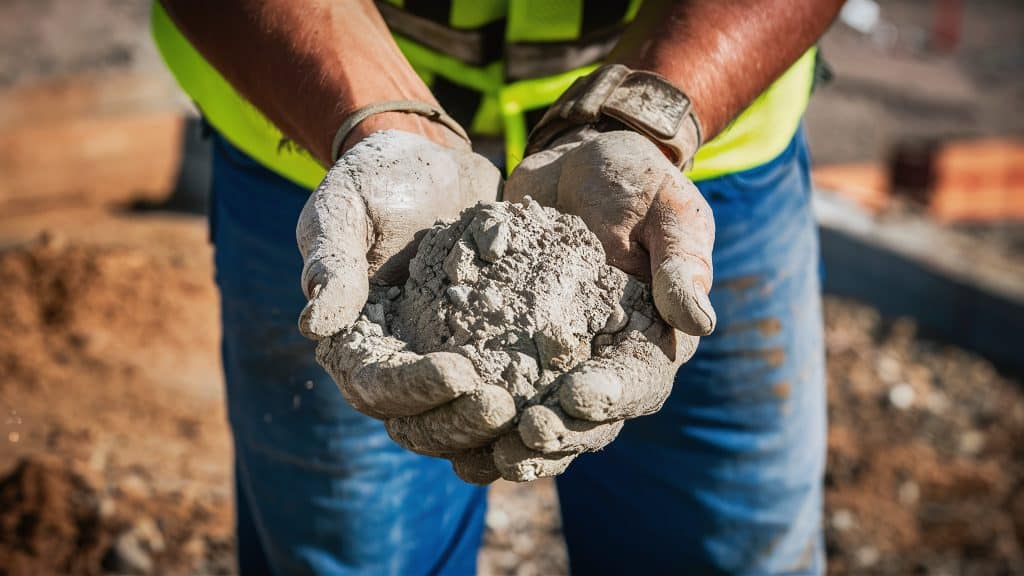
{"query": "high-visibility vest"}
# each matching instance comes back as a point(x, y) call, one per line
point(494, 65)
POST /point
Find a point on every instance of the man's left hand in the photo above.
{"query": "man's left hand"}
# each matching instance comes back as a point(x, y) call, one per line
point(651, 220)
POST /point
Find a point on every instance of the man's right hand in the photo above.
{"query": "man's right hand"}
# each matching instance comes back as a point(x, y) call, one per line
point(361, 223)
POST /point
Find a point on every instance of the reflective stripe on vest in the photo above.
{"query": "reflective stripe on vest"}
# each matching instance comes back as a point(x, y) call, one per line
point(508, 79)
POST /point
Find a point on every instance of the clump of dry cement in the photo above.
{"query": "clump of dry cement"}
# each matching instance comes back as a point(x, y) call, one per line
point(522, 291)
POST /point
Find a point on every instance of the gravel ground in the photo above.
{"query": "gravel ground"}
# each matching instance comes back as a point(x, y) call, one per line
point(925, 468)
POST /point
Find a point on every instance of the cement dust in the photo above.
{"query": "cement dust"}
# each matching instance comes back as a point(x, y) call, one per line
point(524, 292)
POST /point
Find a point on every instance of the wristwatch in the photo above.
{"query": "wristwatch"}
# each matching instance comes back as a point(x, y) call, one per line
point(642, 101)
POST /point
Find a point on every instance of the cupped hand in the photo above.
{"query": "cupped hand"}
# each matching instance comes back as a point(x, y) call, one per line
point(361, 223)
point(653, 224)
point(361, 227)
point(651, 220)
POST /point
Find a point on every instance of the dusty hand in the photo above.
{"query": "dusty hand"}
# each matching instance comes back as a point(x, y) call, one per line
point(433, 404)
point(653, 224)
point(629, 376)
point(358, 228)
point(651, 220)
point(360, 224)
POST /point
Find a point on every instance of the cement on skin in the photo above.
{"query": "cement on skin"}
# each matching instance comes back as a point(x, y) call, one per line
point(502, 309)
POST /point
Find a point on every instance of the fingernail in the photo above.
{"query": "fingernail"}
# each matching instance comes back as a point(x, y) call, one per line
point(701, 311)
point(686, 308)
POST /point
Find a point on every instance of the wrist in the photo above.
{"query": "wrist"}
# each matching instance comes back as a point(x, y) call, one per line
point(366, 88)
point(414, 116)
point(691, 79)
point(615, 97)
point(430, 129)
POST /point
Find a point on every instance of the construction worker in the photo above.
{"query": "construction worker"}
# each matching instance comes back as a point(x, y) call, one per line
point(726, 478)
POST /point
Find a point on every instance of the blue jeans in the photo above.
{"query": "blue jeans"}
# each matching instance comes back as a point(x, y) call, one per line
point(726, 478)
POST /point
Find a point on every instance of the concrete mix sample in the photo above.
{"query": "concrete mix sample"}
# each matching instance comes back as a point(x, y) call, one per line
point(513, 308)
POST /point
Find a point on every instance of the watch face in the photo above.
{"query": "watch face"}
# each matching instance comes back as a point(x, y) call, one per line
point(648, 103)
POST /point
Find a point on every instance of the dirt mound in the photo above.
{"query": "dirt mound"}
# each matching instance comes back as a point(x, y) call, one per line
point(60, 300)
point(109, 363)
point(49, 521)
point(57, 519)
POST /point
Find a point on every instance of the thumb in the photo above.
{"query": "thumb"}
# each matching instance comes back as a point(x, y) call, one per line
point(536, 176)
point(679, 233)
point(333, 236)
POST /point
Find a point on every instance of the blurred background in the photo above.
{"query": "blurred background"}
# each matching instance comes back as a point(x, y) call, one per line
point(114, 453)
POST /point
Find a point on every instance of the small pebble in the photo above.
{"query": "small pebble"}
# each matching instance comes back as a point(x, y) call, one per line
point(492, 240)
point(149, 534)
point(127, 556)
point(491, 299)
point(616, 321)
point(458, 265)
point(901, 396)
point(842, 520)
point(535, 209)
point(497, 519)
point(867, 556)
point(375, 313)
point(458, 295)
point(909, 493)
point(195, 548)
point(971, 442)
point(888, 369)
point(107, 507)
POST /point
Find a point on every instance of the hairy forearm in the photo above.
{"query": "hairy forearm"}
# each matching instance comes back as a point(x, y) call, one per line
point(722, 53)
point(305, 65)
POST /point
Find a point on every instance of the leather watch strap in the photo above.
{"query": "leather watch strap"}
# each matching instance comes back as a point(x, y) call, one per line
point(643, 101)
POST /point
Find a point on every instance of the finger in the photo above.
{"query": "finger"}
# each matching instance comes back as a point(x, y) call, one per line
point(549, 429)
point(408, 198)
point(479, 180)
point(632, 377)
point(679, 233)
point(609, 181)
point(333, 302)
point(517, 463)
point(536, 176)
point(379, 377)
point(333, 237)
point(470, 421)
point(475, 466)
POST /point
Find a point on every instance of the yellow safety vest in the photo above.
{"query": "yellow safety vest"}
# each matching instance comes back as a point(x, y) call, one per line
point(492, 64)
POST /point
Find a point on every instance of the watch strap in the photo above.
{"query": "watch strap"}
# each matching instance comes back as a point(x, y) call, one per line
point(643, 101)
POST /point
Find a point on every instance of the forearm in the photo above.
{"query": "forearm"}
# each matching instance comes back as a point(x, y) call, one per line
point(722, 53)
point(305, 65)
